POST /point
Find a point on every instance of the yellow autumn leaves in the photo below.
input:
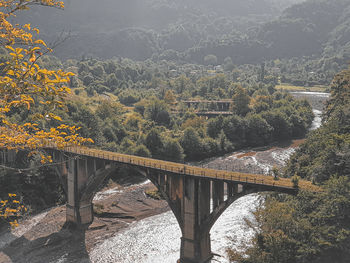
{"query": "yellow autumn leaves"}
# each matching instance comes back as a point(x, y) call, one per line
point(25, 86)
point(11, 209)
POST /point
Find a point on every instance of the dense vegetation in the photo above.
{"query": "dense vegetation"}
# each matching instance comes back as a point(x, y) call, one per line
point(309, 227)
point(306, 44)
point(136, 108)
point(140, 28)
point(150, 118)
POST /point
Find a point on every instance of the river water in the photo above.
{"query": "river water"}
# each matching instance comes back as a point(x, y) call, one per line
point(157, 239)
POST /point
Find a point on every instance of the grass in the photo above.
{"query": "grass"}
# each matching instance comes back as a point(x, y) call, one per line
point(154, 194)
point(98, 209)
point(288, 87)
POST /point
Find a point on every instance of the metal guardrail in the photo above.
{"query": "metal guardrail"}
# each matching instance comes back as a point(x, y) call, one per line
point(179, 168)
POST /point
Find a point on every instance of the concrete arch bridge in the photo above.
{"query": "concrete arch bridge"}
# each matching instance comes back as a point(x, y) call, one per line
point(187, 189)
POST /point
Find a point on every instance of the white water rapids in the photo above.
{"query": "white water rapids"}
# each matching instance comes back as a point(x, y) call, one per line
point(157, 239)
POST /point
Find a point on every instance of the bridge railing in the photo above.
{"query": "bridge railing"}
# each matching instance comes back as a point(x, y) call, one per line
point(190, 170)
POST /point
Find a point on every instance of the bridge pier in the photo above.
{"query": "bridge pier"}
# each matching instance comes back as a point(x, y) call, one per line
point(190, 200)
point(84, 176)
point(195, 241)
point(198, 214)
point(78, 211)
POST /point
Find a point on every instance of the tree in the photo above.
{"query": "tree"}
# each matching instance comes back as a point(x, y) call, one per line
point(26, 87)
point(214, 126)
point(262, 72)
point(224, 144)
point(310, 227)
point(340, 92)
point(173, 151)
point(89, 123)
point(182, 84)
point(241, 102)
point(196, 122)
point(141, 150)
point(210, 59)
point(170, 97)
point(154, 142)
point(10, 209)
point(192, 145)
point(228, 64)
point(258, 131)
point(279, 122)
point(235, 128)
point(107, 109)
point(157, 111)
point(128, 97)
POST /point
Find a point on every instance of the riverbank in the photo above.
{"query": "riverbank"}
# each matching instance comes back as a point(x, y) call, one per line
point(46, 238)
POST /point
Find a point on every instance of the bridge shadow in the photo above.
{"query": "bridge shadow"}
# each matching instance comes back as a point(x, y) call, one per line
point(66, 245)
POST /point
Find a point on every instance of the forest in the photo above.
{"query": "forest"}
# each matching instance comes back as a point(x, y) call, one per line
point(146, 77)
point(311, 36)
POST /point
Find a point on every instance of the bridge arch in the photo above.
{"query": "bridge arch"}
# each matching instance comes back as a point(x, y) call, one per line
point(197, 196)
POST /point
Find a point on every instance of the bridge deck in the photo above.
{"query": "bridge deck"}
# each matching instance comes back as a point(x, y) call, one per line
point(178, 168)
point(207, 112)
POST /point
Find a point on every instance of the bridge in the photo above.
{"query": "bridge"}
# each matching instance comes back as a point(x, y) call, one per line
point(208, 114)
point(214, 105)
point(197, 196)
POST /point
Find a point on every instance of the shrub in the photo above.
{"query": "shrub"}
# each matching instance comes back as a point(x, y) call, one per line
point(295, 180)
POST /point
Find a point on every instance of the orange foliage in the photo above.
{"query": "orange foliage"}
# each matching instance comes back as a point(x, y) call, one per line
point(24, 85)
point(11, 209)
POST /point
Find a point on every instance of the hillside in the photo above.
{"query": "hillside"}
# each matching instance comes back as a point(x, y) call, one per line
point(138, 29)
point(314, 27)
point(308, 42)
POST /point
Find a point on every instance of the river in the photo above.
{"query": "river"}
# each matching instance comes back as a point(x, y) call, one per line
point(157, 239)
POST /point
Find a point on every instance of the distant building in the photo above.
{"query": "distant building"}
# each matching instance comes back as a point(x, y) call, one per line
point(194, 72)
point(219, 68)
point(211, 72)
point(275, 71)
point(173, 73)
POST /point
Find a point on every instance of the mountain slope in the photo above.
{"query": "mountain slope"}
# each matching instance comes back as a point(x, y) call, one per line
point(107, 28)
point(306, 29)
point(248, 31)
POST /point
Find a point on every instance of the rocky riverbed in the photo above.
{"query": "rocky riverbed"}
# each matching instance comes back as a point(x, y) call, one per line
point(45, 237)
